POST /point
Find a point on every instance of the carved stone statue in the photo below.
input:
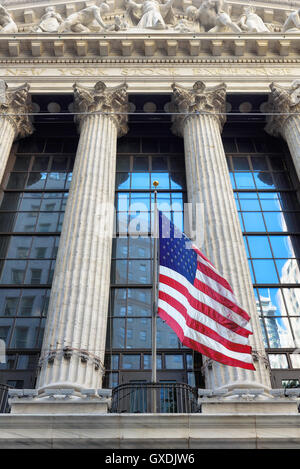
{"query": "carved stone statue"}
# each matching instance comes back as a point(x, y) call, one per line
point(292, 23)
point(251, 22)
point(82, 21)
point(153, 13)
point(207, 13)
point(49, 22)
point(225, 24)
point(7, 23)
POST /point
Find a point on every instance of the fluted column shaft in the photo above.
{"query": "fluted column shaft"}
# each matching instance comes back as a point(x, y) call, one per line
point(208, 183)
point(14, 121)
point(284, 118)
point(74, 341)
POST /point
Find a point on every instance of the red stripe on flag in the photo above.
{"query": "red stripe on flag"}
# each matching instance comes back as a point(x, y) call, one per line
point(214, 276)
point(220, 299)
point(203, 308)
point(199, 327)
point(217, 356)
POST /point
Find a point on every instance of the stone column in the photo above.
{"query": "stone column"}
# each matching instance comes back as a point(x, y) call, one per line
point(208, 183)
point(284, 104)
point(14, 121)
point(74, 341)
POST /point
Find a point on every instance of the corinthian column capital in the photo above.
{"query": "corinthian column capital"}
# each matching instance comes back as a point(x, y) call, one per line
point(15, 104)
point(198, 100)
point(282, 103)
point(100, 99)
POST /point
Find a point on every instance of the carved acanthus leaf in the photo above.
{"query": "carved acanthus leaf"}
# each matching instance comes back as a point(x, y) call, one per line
point(282, 103)
point(198, 100)
point(100, 99)
point(15, 105)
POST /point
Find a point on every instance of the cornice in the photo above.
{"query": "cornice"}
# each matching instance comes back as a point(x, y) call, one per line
point(153, 45)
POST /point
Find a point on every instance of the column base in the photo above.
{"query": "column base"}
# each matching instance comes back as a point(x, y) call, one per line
point(236, 406)
point(60, 402)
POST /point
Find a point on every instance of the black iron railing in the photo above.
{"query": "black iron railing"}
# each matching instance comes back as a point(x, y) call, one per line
point(169, 398)
point(4, 407)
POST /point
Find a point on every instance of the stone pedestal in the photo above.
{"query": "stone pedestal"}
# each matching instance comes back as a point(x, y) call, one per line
point(14, 123)
point(74, 341)
point(208, 184)
point(283, 106)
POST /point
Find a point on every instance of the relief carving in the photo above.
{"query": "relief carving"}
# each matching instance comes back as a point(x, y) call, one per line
point(282, 103)
point(211, 16)
point(16, 103)
point(7, 23)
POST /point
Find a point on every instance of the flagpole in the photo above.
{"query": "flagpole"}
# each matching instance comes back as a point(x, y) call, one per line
point(154, 311)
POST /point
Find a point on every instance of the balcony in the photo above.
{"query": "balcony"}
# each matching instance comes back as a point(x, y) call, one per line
point(164, 398)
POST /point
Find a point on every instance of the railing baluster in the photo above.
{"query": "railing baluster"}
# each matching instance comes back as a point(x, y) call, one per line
point(154, 397)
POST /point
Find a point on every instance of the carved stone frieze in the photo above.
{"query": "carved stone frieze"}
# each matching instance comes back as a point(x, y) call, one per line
point(100, 99)
point(15, 104)
point(214, 16)
point(198, 100)
point(282, 103)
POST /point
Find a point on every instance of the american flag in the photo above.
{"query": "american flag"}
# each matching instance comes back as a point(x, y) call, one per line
point(198, 303)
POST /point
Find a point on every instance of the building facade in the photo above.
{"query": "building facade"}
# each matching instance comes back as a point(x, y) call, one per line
point(99, 100)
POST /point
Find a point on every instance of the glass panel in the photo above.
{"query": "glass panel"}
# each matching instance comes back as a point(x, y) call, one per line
point(148, 362)
point(270, 201)
point(292, 300)
point(282, 181)
point(5, 330)
point(162, 178)
point(140, 163)
point(245, 145)
point(240, 163)
point(16, 181)
point(13, 272)
point(249, 201)
point(259, 163)
point(140, 247)
point(118, 302)
point(119, 271)
point(159, 163)
point(37, 272)
point(174, 362)
point(275, 221)
point(56, 181)
point(259, 246)
point(253, 221)
point(47, 222)
point(139, 271)
point(25, 333)
point(265, 271)
point(138, 333)
point(283, 246)
point(139, 302)
point(36, 180)
point(278, 360)
point(120, 248)
point(166, 338)
point(31, 303)
point(123, 163)
point(40, 163)
point(10, 201)
point(272, 303)
point(122, 181)
point(21, 163)
point(295, 323)
point(9, 300)
point(118, 333)
point(18, 247)
point(59, 163)
point(288, 271)
point(139, 180)
point(131, 362)
point(279, 333)
point(263, 180)
point(295, 359)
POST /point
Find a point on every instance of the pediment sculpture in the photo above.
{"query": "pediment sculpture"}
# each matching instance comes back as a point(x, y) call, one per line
point(211, 16)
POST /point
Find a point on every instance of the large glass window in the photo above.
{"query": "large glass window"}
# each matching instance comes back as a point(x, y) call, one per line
point(32, 208)
point(269, 214)
point(140, 161)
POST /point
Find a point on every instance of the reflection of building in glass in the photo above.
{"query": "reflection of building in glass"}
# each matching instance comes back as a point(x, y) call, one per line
point(268, 310)
point(290, 275)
